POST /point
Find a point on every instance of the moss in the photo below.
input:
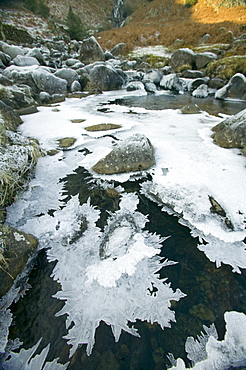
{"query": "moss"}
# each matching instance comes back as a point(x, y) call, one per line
point(102, 127)
point(17, 35)
point(183, 68)
point(156, 61)
point(225, 68)
point(66, 142)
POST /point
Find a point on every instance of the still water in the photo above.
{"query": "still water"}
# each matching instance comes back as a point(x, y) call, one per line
point(210, 291)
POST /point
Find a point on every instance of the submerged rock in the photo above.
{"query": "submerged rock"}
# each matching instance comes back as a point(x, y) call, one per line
point(136, 153)
point(17, 247)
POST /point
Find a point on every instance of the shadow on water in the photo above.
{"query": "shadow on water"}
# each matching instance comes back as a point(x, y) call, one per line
point(210, 292)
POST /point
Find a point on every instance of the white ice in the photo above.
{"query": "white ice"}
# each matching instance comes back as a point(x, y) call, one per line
point(189, 168)
point(208, 353)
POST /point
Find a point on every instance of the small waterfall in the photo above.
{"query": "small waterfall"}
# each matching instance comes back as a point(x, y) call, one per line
point(117, 16)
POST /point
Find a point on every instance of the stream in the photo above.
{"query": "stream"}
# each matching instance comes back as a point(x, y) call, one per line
point(210, 291)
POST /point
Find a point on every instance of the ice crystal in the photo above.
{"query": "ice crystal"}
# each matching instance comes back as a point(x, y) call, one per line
point(109, 275)
point(25, 360)
point(208, 353)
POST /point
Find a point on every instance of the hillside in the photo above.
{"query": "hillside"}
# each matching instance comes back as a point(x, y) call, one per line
point(149, 22)
point(164, 21)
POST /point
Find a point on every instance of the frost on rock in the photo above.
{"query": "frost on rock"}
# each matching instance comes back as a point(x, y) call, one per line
point(108, 276)
point(208, 353)
point(27, 360)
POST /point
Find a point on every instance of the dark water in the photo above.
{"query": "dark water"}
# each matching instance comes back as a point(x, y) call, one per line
point(210, 291)
point(177, 101)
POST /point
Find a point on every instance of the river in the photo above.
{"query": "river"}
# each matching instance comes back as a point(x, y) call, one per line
point(188, 165)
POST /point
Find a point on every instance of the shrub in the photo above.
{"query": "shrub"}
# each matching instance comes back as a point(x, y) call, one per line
point(75, 26)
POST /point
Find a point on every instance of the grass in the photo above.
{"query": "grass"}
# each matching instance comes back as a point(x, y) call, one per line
point(164, 21)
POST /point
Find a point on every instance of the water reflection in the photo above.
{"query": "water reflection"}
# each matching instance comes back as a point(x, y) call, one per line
point(177, 101)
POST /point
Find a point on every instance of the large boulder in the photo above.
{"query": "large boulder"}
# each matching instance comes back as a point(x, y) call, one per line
point(202, 59)
point(231, 133)
point(48, 82)
point(171, 82)
point(12, 50)
point(91, 51)
point(105, 77)
point(24, 61)
point(67, 74)
point(181, 57)
point(136, 153)
point(21, 75)
point(236, 88)
point(17, 248)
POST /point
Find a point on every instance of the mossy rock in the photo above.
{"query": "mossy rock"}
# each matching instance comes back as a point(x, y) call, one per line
point(227, 67)
point(11, 33)
point(78, 120)
point(17, 247)
point(102, 127)
point(66, 142)
point(156, 61)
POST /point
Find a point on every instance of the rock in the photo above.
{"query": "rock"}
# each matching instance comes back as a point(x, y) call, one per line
point(108, 55)
point(150, 87)
point(75, 86)
point(202, 59)
point(57, 98)
point(118, 49)
point(201, 91)
point(136, 153)
point(66, 142)
point(21, 75)
point(46, 81)
point(11, 118)
point(135, 85)
point(45, 97)
point(171, 82)
point(5, 81)
point(12, 50)
point(5, 58)
point(216, 83)
point(236, 88)
point(27, 110)
point(204, 39)
point(91, 51)
point(105, 77)
point(17, 247)
point(184, 56)
point(67, 74)
point(24, 61)
point(18, 97)
point(194, 84)
point(231, 133)
point(102, 127)
point(189, 73)
point(153, 76)
point(202, 312)
point(191, 109)
point(36, 53)
point(71, 62)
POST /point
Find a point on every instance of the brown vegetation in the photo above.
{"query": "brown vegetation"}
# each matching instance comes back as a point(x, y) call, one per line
point(164, 21)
